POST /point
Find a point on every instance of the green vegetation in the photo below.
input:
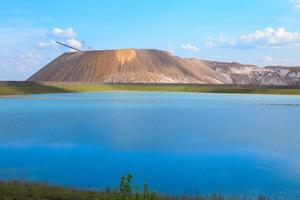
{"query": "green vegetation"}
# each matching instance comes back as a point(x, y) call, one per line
point(15, 190)
point(22, 88)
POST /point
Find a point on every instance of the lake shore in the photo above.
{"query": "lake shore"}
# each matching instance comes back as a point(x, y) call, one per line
point(9, 88)
point(23, 190)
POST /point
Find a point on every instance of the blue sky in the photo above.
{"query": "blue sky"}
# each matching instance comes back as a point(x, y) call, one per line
point(262, 32)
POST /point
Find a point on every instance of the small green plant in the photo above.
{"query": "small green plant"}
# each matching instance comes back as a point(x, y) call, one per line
point(126, 192)
point(147, 194)
point(125, 187)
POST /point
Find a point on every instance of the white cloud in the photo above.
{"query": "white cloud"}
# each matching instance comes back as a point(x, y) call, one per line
point(74, 43)
point(219, 41)
point(267, 37)
point(25, 49)
point(276, 61)
point(49, 44)
point(266, 59)
point(68, 32)
point(296, 4)
point(189, 47)
point(171, 50)
point(270, 37)
point(66, 38)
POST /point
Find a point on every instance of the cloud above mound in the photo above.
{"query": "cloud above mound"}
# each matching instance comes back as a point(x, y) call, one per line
point(21, 47)
point(66, 36)
point(67, 32)
point(45, 45)
point(189, 47)
point(74, 43)
point(264, 38)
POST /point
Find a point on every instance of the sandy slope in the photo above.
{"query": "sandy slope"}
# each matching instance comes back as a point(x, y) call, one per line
point(155, 66)
point(127, 65)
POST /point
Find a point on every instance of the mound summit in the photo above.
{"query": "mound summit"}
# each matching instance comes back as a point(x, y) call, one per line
point(156, 66)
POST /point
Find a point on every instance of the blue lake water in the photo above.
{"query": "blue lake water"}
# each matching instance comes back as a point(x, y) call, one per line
point(179, 143)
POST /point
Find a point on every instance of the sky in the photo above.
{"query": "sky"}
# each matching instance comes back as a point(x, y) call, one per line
point(261, 32)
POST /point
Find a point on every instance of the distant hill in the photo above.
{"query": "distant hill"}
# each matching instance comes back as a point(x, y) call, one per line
point(254, 75)
point(155, 66)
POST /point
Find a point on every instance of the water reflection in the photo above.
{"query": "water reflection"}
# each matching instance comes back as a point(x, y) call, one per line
point(179, 143)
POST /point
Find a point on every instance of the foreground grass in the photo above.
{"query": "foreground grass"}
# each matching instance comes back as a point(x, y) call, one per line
point(23, 88)
point(16, 190)
point(38, 191)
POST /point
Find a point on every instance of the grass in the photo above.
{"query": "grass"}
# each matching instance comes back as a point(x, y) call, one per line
point(23, 88)
point(16, 190)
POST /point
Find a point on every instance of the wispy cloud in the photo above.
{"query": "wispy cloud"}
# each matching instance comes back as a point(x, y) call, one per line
point(19, 57)
point(171, 50)
point(52, 44)
point(49, 44)
point(219, 41)
point(24, 48)
point(74, 43)
point(189, 47)
point(66, 36)
point(276, 61)
point(296, 4)
point(266, 59)
point(264, 38)
point(67, 32)
point(271, 37)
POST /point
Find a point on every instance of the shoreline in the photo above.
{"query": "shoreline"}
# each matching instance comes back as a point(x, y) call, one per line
point(25, 190)
point(16, 88)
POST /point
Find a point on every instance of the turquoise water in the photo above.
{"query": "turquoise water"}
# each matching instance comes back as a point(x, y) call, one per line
point(179, 143)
